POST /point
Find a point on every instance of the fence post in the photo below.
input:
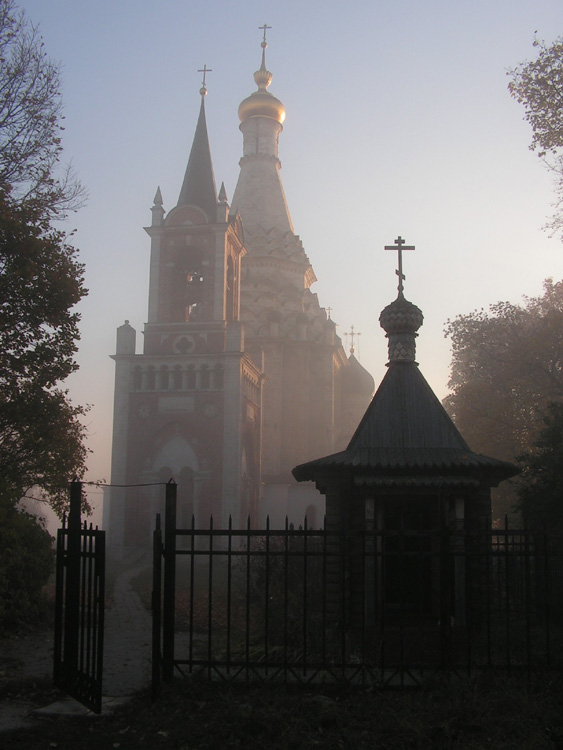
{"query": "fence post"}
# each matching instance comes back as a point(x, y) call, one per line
point(168, 604)
point(72, 591)
point(156, 603)
point(445, 589)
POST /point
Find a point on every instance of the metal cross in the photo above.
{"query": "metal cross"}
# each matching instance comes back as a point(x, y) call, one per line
point(400, 246)
point(328, 310)
point(352, 333)
point(264, 28)
point(204, 70)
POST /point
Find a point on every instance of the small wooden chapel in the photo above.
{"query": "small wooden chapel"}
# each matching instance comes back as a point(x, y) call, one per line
point(406, 476)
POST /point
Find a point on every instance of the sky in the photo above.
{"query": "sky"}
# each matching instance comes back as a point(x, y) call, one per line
point(398, 122)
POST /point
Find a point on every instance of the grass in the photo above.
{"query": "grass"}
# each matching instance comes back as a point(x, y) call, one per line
point(492, 711)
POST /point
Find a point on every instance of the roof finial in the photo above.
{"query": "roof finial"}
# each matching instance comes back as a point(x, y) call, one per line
point(204, 70)
point(264, 28)
point(352, 333)
point(263, 77)
point(400, 246)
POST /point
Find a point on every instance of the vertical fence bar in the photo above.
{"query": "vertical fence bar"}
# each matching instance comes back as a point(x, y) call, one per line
point(72, 593)
point(247, 602)
point(156, 601)
point(445, 592)
point(528, 603)
point(507, 589)
point(267, 599)
point(324, 593)
point(305, 534)
point(210, 600)
point(344, 541)
point(547, 594)
point(192, 594)
point(229, 590)
point(169, 582)
point(285, 596)
point(59, 603)
point(100, 607)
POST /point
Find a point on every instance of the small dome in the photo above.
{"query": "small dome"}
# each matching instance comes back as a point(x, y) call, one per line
point(356, 379)
point(261, 103)
point(401, 316)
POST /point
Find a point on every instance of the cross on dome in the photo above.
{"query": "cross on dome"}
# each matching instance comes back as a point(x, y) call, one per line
point(352, 333)
point(204, 70)
point(399, 246)
point(264, 28)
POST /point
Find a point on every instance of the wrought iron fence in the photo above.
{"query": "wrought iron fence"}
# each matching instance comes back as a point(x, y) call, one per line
point(377, 607)
point(79, 608)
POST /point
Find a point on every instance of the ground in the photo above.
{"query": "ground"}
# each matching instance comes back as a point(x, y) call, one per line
point(451, 711)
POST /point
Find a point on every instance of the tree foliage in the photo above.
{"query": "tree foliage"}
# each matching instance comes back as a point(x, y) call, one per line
point(40, 430)
point(31, 119)
point(26, 562)
point(507, 365)
point(41, 280)
point(540, 488)
point(538, 85)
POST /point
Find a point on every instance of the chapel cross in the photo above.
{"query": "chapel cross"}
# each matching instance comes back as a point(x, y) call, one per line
point(352, 333)
point(400, 246)
point(264, 28)
point(204, 70)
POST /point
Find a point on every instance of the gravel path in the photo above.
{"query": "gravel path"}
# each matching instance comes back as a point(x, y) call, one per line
point(127, 652)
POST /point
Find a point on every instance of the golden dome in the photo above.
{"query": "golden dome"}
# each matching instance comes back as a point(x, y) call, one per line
point(261, 103)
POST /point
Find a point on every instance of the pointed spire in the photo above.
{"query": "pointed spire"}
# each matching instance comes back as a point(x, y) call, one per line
point(198, 188)
point(223, 194)
point(157, 209)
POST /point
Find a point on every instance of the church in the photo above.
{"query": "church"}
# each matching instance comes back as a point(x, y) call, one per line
point(242, 375)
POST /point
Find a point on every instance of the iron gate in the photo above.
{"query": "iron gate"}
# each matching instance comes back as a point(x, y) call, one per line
point(79, 607)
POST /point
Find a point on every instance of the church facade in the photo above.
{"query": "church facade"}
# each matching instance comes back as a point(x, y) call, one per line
point(242, 374)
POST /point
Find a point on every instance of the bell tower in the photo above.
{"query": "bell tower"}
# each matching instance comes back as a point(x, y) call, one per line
point(189, 406)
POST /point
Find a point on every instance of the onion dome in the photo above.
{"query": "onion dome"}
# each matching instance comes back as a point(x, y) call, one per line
point(261, 103)
point(401, 320)
point(356, 380)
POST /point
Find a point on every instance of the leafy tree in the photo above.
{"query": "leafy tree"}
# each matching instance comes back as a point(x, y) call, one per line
point(507, 365)
point(540, 488)
point(40, 430)
point(538, 85)
point(41, 280)
point(31, 119)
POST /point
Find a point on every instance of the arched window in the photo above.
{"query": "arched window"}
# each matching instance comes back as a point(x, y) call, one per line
point(190, 377)
point(205, 377)
point(177, 378)
point(164, 378)
point(230, 290)
point(218, 374)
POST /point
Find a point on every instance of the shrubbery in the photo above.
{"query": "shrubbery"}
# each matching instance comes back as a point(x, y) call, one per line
point(26, 563)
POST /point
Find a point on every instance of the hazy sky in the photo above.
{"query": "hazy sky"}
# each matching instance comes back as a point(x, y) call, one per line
point(398, 122)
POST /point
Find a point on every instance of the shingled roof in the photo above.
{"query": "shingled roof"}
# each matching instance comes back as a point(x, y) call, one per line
point(406, 437)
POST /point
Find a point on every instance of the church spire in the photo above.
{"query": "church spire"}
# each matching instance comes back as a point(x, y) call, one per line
point(198, 188)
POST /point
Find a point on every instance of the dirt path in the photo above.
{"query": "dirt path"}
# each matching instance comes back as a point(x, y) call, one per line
point(127, 654)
